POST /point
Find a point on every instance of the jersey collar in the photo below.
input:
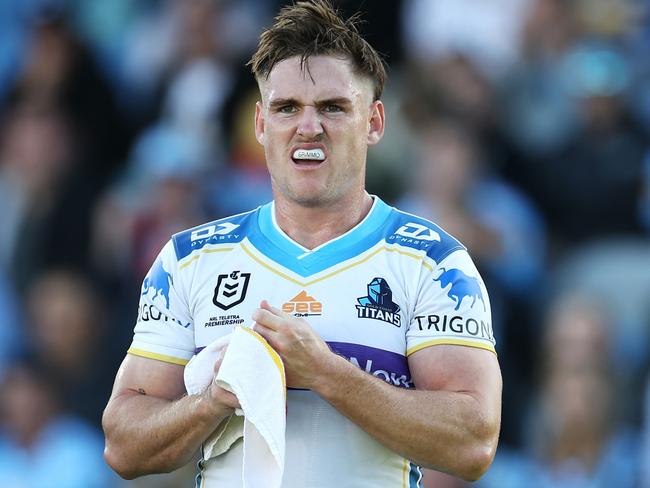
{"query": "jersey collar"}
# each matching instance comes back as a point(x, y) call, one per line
point(277, 245)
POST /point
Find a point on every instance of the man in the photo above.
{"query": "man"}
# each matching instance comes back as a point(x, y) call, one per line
point(380, 317)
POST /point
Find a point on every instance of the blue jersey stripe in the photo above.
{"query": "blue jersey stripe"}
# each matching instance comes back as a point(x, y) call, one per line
point(278, 247)
point(225, 231)
point(383, 223)
point(415, 475)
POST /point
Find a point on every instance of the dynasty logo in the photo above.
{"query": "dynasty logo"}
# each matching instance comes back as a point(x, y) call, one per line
point(378, 304)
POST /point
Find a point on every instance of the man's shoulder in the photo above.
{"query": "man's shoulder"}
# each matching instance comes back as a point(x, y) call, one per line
point(227, 230)
point(412, 231)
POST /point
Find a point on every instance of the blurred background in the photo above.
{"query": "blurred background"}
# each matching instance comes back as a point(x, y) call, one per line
point(520, 126)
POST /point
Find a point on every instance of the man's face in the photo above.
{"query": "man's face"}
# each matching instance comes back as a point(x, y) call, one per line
point(330, 114)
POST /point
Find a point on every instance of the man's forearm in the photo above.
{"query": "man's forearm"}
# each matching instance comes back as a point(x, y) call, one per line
point(145, 434)
point(444, 430)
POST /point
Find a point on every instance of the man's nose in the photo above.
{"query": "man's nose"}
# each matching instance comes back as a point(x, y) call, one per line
point(309, 124)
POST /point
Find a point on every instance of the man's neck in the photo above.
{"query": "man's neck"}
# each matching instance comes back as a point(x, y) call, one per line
point(313, 226)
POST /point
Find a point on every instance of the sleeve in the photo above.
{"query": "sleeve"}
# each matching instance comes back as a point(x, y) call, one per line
point(164, 328)
point(452, 307)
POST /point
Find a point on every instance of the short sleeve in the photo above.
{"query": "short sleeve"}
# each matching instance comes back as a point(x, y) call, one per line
point(453, 306)
point(164, 328)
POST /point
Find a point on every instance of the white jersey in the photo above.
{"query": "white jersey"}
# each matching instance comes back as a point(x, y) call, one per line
point(391, 286)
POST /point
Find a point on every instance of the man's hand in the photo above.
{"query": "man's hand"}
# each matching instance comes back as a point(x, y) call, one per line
point(151, 424)
point(219, 397)
point(304, 353)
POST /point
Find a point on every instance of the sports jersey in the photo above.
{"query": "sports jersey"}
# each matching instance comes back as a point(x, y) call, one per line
point(389, 287)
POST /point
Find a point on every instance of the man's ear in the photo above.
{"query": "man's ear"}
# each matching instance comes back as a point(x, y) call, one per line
point(376, 122)
point(259, 123)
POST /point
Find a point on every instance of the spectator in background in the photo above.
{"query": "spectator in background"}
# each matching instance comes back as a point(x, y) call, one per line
point(488, 33)
point(244, 182)
point(453, 186)
point(452, 86)
point(575, 435)
point(182, 61)
point(41, 444)
point(62, 140)
point(608, 147)
point(616, 271)
point(59, 74)
point(159, 194)
point(166, 169)
point(38, 156)
point(183, 53)
point(169, 35)
point(202, 78)
point(537, 113)
point(66, 327)
point(565, 110)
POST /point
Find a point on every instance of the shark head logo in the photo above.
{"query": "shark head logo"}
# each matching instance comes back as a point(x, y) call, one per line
point(159, 281)
point(462, 286)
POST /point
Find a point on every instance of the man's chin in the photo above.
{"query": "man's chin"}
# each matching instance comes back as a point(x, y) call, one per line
point(311, 199)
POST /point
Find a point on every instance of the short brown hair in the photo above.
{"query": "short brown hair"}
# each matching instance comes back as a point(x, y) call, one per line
point(315, 28)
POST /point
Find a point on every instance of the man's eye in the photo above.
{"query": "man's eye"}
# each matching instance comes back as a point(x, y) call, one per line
point(332, 108)
point(287, 109)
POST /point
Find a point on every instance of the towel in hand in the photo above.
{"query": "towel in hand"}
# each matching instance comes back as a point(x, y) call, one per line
point(254, 373)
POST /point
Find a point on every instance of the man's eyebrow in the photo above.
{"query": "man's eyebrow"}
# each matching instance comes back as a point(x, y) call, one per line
point(281, 102)
point(334, 101)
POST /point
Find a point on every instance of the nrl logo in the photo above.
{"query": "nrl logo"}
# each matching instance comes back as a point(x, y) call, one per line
point(231, 289)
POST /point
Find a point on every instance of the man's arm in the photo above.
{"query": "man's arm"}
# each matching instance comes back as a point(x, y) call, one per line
point(449, 423)
point(149, 423)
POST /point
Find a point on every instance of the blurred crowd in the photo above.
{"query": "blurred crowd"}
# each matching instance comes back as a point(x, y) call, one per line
point(520, 126)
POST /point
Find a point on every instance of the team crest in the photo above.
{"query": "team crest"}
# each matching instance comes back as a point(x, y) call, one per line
point(231, 289)
point(378, 304)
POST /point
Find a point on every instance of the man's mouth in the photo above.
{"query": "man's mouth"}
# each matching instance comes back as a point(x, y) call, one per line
point(308, 156)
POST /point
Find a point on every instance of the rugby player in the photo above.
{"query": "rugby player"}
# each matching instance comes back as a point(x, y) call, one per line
point(380, 317)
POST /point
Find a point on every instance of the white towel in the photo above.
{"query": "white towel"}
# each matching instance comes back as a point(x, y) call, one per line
point(254, 373)
point(198, 374)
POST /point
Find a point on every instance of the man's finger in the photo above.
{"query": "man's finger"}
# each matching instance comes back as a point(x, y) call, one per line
point(269, 334)
point(268, 319)
point(265, 305)
point(232, 400)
